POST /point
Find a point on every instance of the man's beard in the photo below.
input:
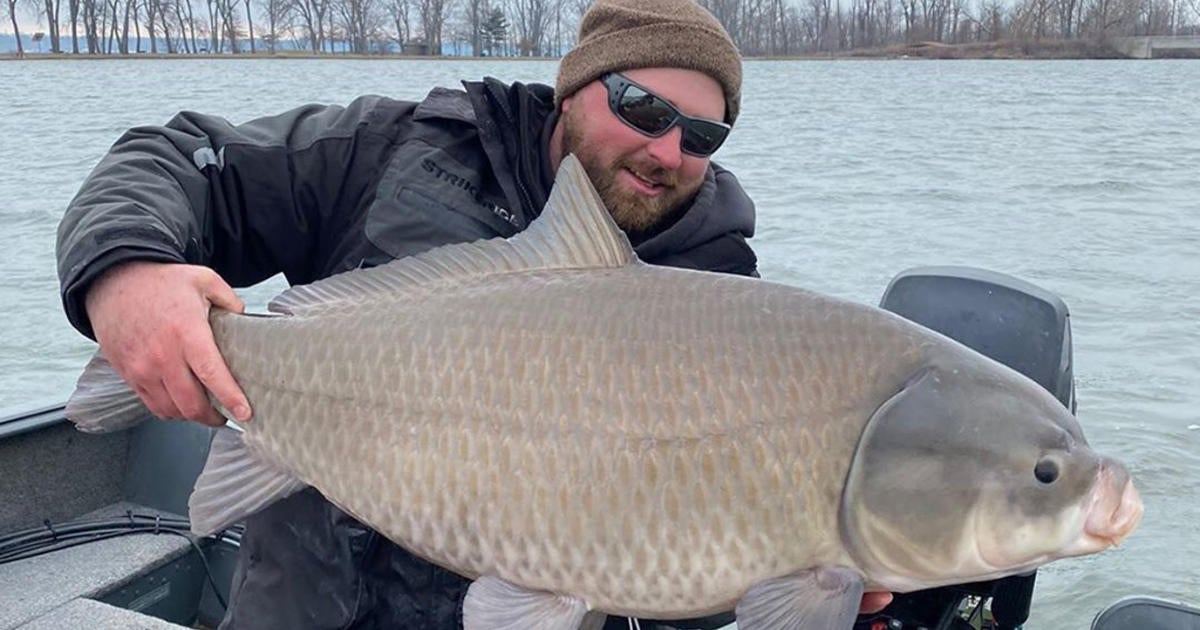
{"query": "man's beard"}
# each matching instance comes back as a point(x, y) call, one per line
point(638, 215)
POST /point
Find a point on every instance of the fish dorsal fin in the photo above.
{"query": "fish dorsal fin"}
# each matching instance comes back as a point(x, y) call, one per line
point(574, 231)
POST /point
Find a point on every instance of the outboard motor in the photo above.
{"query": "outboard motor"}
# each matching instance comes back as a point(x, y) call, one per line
point(1141, 612)
point(1022, 326)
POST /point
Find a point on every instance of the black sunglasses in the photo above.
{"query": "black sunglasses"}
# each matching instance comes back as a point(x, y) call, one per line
point(652, 115)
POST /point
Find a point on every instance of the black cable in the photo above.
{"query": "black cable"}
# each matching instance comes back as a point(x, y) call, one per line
point(37, 547)
point(67, 528)
point(37, 541)
point(39, 538)
point(39, 534)
point(24, 554)
point(212, 582)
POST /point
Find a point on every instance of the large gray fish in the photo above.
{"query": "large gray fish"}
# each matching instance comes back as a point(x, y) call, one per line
point(576, 430)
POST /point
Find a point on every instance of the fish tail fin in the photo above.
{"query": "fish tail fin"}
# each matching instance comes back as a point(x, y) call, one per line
point(235, 484)
point(102, 401)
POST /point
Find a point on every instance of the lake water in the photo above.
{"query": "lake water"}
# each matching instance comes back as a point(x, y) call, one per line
point(1080, 176)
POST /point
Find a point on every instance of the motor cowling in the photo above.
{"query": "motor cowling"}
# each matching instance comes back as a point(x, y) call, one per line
point(1020, 325)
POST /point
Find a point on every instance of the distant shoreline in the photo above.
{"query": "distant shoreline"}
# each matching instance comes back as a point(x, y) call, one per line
point(1047, 49)
point(298, 55)
point(1007, 49)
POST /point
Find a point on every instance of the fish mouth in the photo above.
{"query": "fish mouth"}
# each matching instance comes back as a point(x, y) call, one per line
point(1114, 513)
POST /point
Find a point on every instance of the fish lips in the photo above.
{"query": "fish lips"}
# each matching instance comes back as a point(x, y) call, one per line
point(1114, 510)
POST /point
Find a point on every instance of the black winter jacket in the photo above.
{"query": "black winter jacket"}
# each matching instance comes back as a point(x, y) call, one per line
point(323, 189)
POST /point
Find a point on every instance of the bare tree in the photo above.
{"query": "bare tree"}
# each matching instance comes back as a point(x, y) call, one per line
point(312, 14)
point(1110, 18)
point(152, 9)
point(1156, 17)
point(108, 25)
point(1192, 7)
point(359, 20)
point(134, 7)
point(793, 29)
point(531, 17)
point(820, 18)
point(578, 8)
point(278, 16)
point(1066, 10)
point(73, 8)
point(90, 32)
point(164, 19)
point(990, 26)
point(104, 26)
point(187, 22)
point(51, 9)
point(127, 15)
point(574, 11)
point(160, 20)
point(12, 13)
point(474, 12)
point(229, 23)
point(172, 14)
point(250, 25)
point(401, 16)
point(113, 37)
point(213, 12)
point(556, 27)
point(433, 18)
point(776, 37)
point(1032, 19)
point(753, 25)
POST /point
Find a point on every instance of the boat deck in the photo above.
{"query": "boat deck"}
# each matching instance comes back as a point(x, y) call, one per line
point(50, 472)
point(62, 589)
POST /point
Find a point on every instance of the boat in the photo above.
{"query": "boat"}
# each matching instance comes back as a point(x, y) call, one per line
point(94, 531)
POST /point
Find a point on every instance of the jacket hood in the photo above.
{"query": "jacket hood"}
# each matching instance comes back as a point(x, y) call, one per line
point(720, 207)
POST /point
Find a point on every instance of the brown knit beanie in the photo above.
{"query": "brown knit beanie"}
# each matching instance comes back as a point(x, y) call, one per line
point(618, 35)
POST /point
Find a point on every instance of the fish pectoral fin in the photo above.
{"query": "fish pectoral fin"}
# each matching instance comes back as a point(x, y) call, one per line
point(235, 484)
point(826, 598)
point(102, 402)
point(496, 604)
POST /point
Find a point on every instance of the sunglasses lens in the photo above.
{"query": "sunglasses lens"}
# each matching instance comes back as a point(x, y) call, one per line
point(703, 138)
point(654, 116)
point(645, 111)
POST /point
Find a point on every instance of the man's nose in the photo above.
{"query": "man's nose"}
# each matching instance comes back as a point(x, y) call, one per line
point(665, 149)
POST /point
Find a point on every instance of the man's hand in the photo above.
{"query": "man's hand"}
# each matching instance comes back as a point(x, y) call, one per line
point(151, 320)
point(874, 602)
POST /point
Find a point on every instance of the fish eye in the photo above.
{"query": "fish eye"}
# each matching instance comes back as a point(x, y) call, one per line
point(1046, 471)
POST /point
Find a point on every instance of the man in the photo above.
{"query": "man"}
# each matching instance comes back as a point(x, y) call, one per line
point(174, 215)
